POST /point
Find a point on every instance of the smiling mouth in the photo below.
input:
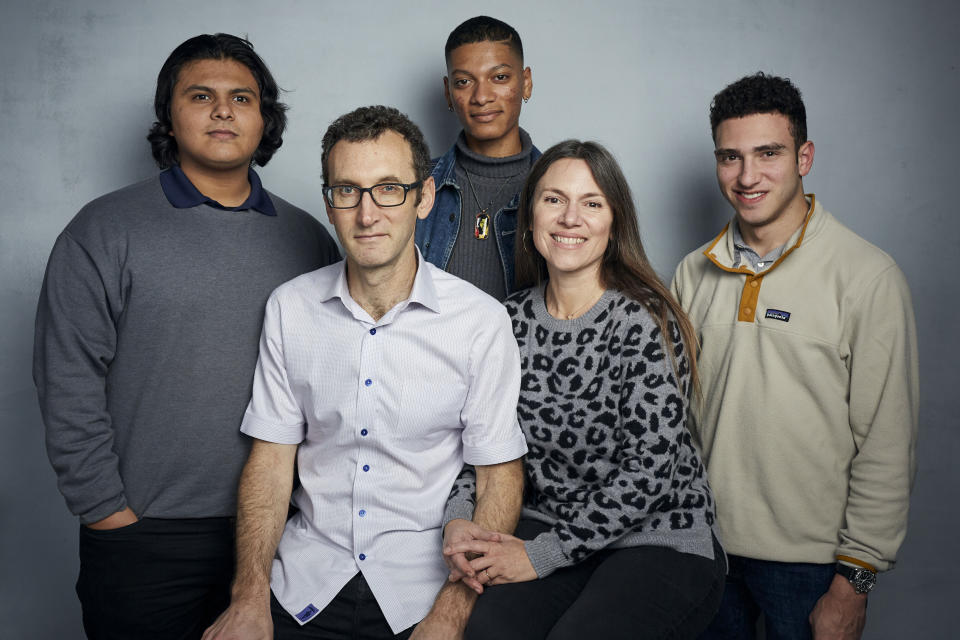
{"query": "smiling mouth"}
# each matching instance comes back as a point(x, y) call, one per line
point(750, 196)
point(568, 241)
point(485, 116)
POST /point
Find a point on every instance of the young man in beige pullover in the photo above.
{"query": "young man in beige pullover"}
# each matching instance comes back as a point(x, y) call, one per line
point(808, 365)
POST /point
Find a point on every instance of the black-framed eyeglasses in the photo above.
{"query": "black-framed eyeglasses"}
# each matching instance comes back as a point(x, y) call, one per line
point(385, 194)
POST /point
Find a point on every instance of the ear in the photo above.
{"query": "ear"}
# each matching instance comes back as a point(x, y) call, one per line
point(527, 83)
point(427, 193)
point(805, 158)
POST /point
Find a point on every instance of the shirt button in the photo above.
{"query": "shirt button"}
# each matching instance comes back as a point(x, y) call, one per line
point(373, 332)
point(747, 311)
point(362, 556)
point(366, 467)
point(753, 283)
point(364, 432)
point(362, 513)
point(368, 382)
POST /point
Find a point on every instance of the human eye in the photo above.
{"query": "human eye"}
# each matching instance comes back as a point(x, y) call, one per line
point(502, 77)
point(242, 99)
point(551, 199)
point(200, 97)
point(345, 189)
point(593, 204)
point(460, 83)
point(728, 158)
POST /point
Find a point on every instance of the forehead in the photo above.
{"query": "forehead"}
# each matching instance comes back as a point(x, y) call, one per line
point(366, 162)
point(754, 130)
point(216, 72)
point(570, 175)
point(486, 54)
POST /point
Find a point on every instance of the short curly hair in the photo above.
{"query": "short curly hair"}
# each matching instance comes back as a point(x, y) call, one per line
point(369, 123)
point(761, 93)
point(219, 46)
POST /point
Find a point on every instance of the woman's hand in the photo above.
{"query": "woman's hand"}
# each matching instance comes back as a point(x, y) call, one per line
point(499, 562)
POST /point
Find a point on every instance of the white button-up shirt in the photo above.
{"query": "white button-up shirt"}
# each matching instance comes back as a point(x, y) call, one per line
point(385, 412)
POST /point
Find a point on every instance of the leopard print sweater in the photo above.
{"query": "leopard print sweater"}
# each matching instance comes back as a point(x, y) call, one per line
point(610, 461)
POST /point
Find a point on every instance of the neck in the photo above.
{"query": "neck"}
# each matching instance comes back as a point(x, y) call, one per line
point(228, 187)
point(765, 238)
point(569, 296)
point(508, 145)
point(380, 289)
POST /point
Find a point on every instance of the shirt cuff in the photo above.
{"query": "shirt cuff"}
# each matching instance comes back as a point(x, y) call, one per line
point(496, 452)
point(271, 432)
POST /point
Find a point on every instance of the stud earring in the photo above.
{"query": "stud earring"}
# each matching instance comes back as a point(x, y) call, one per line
point(450, 108)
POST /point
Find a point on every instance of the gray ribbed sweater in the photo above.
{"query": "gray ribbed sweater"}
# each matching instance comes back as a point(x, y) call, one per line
point(610, 461)
point(146, 339)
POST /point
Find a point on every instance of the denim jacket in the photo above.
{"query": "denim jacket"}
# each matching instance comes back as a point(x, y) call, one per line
point(437, 233)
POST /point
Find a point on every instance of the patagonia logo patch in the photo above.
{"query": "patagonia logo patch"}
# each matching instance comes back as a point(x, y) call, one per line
point(308, 612)
point(776, 314)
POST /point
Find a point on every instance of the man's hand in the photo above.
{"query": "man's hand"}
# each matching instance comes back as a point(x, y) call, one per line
point(437, 627)
point(459, 531)
point(242, 621)
point(115, 520)
point(840, 613)
point(499, 562)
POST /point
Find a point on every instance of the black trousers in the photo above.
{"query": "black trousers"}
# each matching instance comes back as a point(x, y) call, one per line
point(155, 579)
point(633, 593)
point(353, 615)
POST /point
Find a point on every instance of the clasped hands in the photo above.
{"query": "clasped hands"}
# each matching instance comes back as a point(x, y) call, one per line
point(479, 557)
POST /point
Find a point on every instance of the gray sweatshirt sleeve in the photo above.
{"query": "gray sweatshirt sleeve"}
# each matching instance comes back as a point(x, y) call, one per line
point(74, 344)
point(462, 500)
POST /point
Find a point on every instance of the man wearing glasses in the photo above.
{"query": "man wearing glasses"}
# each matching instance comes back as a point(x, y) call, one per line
point(379, 377)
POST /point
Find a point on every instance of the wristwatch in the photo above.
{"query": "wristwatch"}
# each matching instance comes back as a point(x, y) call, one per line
point(863, 580)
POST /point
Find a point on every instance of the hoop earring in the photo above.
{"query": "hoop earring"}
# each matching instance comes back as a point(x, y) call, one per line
point(526, 100)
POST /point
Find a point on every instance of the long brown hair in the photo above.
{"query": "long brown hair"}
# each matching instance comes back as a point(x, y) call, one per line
point(625, 266)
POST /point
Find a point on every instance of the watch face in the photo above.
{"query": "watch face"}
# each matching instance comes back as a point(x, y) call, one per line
point(863, 580)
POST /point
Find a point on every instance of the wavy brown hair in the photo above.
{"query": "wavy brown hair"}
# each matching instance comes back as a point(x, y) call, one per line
point(625, 266)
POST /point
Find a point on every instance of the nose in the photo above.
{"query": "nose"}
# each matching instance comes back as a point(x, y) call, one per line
point(223, 110)
point(481, 92)
point(571, 215)
point(367, 210)
point(749, 174)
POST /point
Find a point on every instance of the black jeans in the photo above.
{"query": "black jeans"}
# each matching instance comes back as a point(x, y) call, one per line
point(353, 615)
point(633, 593)
point(155, 579)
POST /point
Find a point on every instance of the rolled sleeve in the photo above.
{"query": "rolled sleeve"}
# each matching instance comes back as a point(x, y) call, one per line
point(491, 433)
point(273, 415)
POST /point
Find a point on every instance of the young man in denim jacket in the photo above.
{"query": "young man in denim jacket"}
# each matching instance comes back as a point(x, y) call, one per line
point(472, 227)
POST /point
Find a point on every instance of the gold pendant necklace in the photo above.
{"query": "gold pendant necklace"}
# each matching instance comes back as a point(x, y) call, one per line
point(481, 226)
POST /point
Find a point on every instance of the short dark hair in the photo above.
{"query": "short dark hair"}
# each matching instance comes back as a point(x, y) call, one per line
point(219, 46)
point(483, 29)
point(369, 123)
point(761, 93)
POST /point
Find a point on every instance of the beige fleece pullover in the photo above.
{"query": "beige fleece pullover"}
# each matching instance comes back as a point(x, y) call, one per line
point(808, 419)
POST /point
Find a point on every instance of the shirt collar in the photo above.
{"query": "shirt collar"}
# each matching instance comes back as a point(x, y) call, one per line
point(424, 292)
point(182, 194)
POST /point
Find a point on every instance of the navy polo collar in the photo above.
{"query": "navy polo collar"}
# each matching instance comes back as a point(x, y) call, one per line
point(182, 194)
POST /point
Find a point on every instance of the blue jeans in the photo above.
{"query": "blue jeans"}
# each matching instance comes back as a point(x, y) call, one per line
point(784, 592)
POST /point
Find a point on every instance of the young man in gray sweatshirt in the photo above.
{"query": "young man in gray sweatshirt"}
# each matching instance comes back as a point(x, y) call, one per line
point(146, 339)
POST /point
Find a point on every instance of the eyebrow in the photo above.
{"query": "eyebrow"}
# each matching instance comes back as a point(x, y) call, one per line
point(356, 183)
point(772, 146)
point(492, 70)
point(206, 89)
point(592, 194)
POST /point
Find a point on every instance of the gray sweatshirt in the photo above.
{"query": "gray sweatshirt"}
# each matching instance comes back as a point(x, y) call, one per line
point(146, 339)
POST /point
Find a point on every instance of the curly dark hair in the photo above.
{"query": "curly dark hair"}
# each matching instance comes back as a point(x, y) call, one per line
point(483, 29)
point(761, 93)
point(219, 46)
point(369, 123)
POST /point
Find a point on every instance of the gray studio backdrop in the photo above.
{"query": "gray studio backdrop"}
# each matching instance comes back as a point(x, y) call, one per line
point(881, 83)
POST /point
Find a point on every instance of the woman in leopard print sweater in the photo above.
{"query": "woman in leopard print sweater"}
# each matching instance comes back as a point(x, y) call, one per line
point(616, 537)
